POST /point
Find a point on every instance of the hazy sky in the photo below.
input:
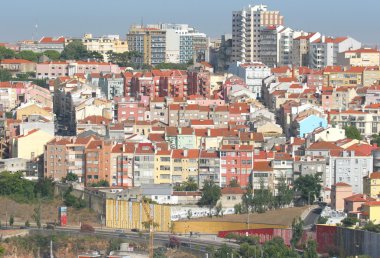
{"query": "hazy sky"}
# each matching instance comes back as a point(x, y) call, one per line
point(76, 17)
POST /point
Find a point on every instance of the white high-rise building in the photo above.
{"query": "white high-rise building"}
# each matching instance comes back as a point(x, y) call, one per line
point(183, 43)
point(324, 51)
point(246, 28)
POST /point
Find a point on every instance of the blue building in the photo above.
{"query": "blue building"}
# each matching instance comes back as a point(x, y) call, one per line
point(306, 125)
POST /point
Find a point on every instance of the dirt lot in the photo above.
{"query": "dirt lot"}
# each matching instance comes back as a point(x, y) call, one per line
point(280, 216)
point(49, 212)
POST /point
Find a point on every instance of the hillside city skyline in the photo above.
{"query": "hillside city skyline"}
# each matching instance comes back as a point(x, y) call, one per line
point(337, 19)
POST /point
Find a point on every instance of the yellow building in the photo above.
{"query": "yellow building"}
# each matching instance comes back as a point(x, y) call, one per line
point(350, 77)
point(371, 211)
point(148, 41)
point(184, 165)
point(33, 109)
point(129, 215)
point(162, 167)
point(360, 57)
point(104, 44)
point(371, 185)
point(31, 145)
point(371, 76)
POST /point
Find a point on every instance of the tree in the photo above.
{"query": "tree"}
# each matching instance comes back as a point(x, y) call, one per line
point(352, 132)
point(189, 185)
point(95, 55)
point(28, 55)
point(238, 208)
point(234, 183)
point(276, 248)
point(370, 226)
point(11, 220)
point(5, 75)
point(27, 224)
point(297, 231)
point(263, 198)
point(52, 55)
point(247, 200)
point(6, 53)
point(75, 51)
point(285, 195)
point(100, 183)
point(70, 177)
point(45, 188)
point(225, 252)
point(2, 251)
point(308, 187)
point(322, 220)
point(219, 209)
point(37, 215)
point(189, 214)
point(210, 194)
point(126, 59)
point(310, 250)
point(172, 66)
point(349, 221)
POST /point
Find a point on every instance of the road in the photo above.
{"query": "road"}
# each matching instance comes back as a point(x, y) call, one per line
point(312, 218)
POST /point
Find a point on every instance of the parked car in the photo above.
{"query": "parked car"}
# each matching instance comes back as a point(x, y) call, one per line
point(135, 230)
point(87, 228)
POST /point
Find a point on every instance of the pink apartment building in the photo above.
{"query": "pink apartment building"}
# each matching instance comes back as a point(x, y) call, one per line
point(52, 70)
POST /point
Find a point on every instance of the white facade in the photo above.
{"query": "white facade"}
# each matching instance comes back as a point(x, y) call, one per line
point(183, 43)
point(253, 75)
point(246, 27)
point(324, 52)
point(350, 169)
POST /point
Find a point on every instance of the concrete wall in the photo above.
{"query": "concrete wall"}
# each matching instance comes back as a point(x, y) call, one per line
point(347, 242)
point(95, 202)
point(213, 227)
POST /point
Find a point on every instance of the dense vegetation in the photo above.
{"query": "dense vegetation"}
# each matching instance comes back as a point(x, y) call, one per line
point(16, 187)
point(250, 247)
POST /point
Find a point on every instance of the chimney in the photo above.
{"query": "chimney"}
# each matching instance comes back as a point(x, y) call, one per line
point(185, 152)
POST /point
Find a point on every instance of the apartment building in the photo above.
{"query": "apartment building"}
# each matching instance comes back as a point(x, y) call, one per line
point(150, 42)
point(324, 51)
point(236, 163)
point(301, 47)
point(359, 57)
point(246, 31)
point(103, 44)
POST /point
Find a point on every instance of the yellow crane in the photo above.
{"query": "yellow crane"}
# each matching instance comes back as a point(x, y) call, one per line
point(150, 222)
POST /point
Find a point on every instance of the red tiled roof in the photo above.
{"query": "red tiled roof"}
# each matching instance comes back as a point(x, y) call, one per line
point(324, 146)
point(363, 50)
point(373, 203)
point(16, 61)
point(374, 175)
point(232, 190)
point(282, 156)
point(342, 184)
point(358, 198)
point(262, 166)
point(201, 122)
point(50, 40)
point(180, 154)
